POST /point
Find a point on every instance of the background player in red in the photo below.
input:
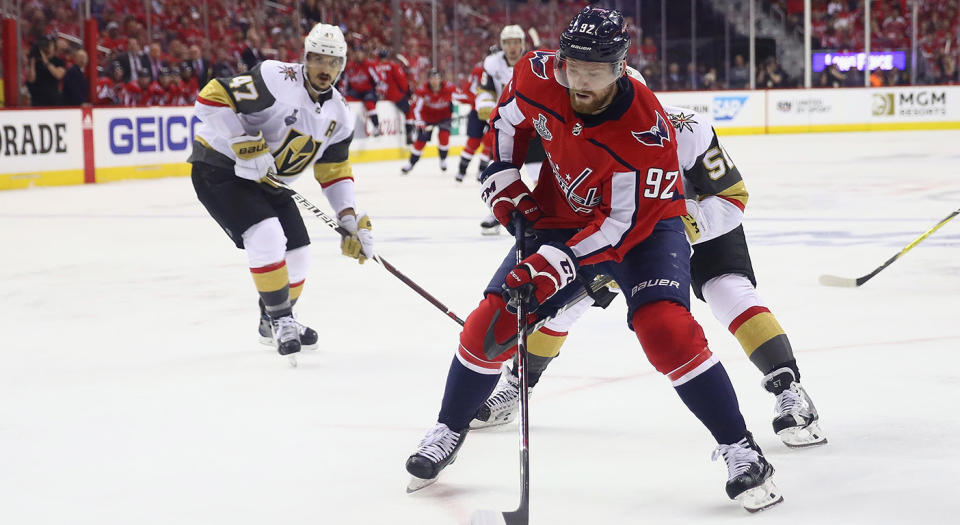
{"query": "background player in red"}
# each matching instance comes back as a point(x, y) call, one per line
point(475, 127)
point(609, 201)
point(393, 86)
point(434, 109)
point(360, 82)
point(153, 94)
point(172, 89)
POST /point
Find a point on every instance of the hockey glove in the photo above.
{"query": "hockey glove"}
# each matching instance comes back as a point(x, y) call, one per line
point(357, 243)
point(539, 276)
point(505, 193)
point(253, 157)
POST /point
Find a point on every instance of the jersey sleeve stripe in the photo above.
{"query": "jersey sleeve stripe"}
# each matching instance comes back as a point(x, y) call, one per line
point(328, 173)
point(216, 94)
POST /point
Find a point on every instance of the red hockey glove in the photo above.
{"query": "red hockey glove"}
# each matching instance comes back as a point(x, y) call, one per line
point(504, 192)
point(539, 276)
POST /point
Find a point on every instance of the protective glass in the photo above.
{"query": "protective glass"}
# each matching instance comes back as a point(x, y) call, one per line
point(580, 75)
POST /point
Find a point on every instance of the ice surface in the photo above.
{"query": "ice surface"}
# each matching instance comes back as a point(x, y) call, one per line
point(133, 388)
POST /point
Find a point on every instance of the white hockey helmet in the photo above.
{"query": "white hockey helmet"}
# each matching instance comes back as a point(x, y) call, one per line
point(326, 39)
point(513, 31)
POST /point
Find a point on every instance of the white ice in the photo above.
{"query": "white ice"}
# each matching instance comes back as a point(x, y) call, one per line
point(133, 388)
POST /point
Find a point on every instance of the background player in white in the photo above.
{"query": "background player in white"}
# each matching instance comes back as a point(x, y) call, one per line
point(721, 275)
point(497, 72)
point(279, 119)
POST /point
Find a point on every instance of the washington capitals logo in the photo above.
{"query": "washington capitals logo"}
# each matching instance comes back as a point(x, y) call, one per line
point(289, 73)
point(655, 136)
point(540, 124)
point(681, 121)
point(538, 63)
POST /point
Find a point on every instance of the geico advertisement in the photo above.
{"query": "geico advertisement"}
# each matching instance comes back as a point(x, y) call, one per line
point(40, 139)
point(724, 109)
point(142, 136)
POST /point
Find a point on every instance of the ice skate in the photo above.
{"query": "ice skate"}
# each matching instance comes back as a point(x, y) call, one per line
point(796, 420)
point(749, 475)
point(503, 404)
point(308, 336)
point(286, 334)
point(405, 170)
point(490, 226)
point(461, 175)
point(443, 165)
point(437, 450)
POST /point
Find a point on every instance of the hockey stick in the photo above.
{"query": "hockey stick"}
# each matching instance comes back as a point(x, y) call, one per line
point(833, 280)
point(329, 221)
point(520, 516)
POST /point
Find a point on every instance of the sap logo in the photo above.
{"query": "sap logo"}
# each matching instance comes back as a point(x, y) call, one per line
point(726, 108)
point(653, 282)
point(150, 134)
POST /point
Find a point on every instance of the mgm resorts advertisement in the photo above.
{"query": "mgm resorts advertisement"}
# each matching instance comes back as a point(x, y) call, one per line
point(916, 107)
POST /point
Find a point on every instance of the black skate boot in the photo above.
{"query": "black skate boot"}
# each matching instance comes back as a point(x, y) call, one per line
point(308, 336)
point(286, 333)
point(796, 420)
point(483, 165)
point(503, 404)
point(437, 450)
point(749, 475)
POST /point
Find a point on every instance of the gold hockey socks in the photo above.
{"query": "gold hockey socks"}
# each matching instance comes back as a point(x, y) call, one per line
point(761, 337)
point(273, 283)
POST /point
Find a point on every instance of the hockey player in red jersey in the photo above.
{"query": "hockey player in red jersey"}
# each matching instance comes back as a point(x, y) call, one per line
point(394, 86)
point(721, 275)
point(154, 93)
point(434, 109)
point(609, 201)
point(360, 83)
point(172, 89)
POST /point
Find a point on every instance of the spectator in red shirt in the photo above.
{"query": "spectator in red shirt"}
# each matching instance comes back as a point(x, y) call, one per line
point(434, 109)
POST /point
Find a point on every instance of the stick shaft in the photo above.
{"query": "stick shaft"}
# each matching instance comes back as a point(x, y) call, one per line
point(521, 515)
point(332, 223)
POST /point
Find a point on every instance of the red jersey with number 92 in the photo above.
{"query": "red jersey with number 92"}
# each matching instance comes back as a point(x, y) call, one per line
point(613, 175)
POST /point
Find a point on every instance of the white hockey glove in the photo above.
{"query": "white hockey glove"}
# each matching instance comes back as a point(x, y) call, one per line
point(253, 157)
point(358, 244)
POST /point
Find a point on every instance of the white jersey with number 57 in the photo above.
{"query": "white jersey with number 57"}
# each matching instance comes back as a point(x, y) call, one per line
point(716, 195)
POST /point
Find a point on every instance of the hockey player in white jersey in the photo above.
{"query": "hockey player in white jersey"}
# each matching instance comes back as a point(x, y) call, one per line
point(497, 72)
point(722, 276)
point(279, 119)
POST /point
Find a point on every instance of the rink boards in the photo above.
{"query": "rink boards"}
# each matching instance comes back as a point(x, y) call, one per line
point(46, 147)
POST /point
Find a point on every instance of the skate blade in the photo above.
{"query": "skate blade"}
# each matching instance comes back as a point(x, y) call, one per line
point(268, 341)
point(487, 517)
point(495, 230)
point(760, 497)
point(495, 422)
point(803, 437)
point(416, 484)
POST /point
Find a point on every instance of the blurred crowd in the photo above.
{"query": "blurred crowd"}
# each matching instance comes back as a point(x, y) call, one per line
point(162, 52)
